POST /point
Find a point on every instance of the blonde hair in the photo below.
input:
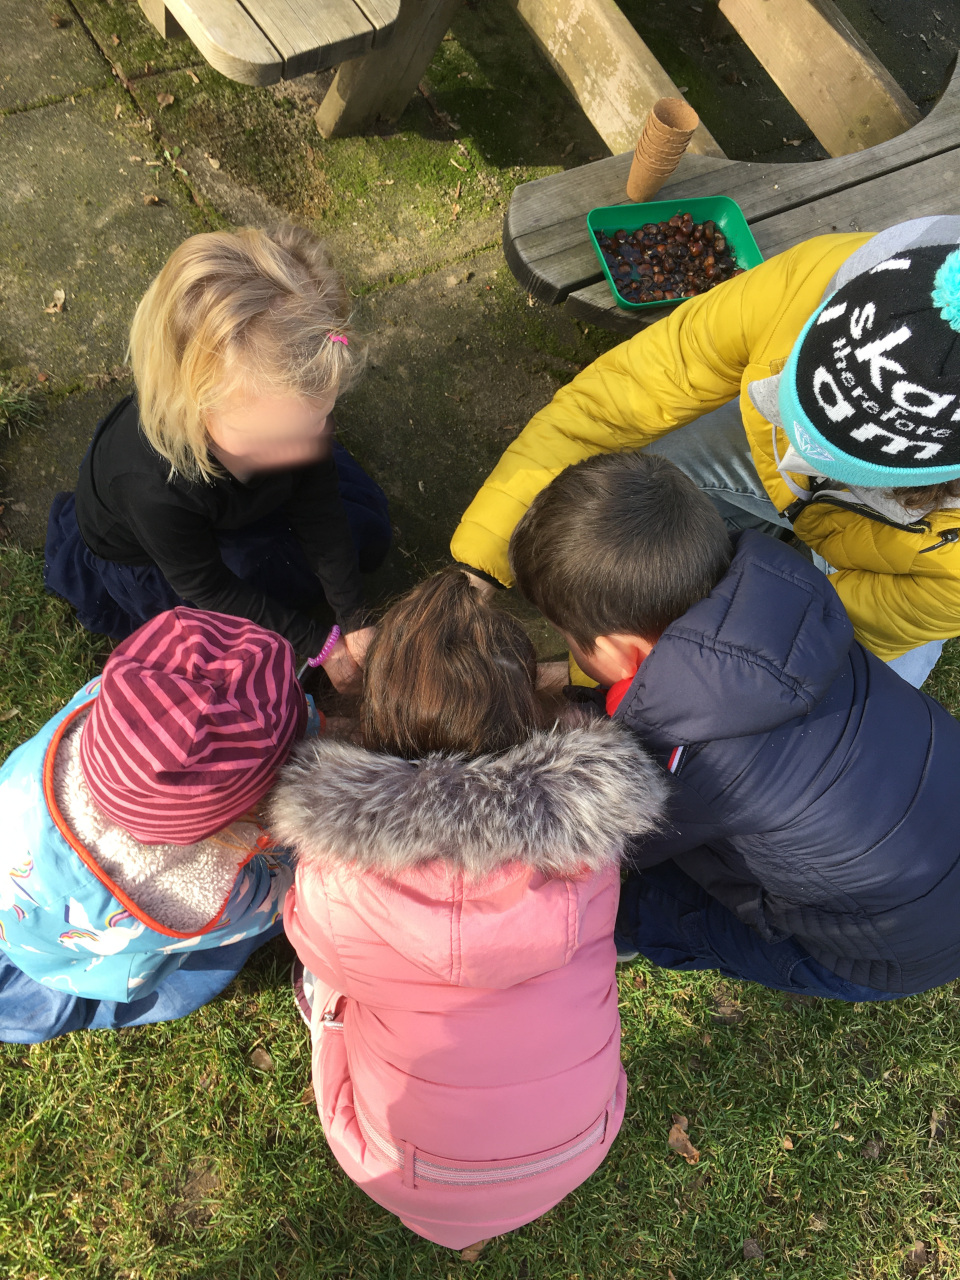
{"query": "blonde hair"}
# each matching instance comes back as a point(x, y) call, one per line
point(236, 309)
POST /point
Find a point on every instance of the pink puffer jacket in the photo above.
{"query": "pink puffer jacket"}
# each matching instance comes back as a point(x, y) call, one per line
point(458, 916)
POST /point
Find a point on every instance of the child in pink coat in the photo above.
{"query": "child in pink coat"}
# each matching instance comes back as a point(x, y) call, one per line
point(455, 896)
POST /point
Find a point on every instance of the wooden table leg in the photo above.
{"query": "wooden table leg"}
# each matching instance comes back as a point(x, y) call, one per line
point(379, 85)
point(156, 12)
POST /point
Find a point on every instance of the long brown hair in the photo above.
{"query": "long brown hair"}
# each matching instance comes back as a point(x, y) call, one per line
point(448, 672)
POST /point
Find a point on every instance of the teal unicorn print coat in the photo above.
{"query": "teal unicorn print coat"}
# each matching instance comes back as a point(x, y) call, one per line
point(65, 923)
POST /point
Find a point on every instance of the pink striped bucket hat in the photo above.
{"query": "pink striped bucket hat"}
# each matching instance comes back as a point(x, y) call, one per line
point(197, 712)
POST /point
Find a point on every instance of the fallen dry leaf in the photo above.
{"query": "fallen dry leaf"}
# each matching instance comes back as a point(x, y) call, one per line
point(136, 159)
point(916, 1258)
point(9, 714)
point(42, 377)
point(117, 111)
point(58, 20)
point(788, 1143)
point(726, 1012)
point(871, 1149)
point(260, 1060)
point(793, 142)
point(473, 1251)
point(678, 1141)
point(213, 163)
point(151, 199)
point(938, 1130)
point(114, 39)
point(568, 148)
point(751, 1249)
point(193, 76)
point(165, 100)
point(59, 297)
point(308, 1098)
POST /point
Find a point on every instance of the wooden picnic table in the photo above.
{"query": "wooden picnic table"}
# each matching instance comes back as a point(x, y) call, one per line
point(262, 41)
point(548, 249)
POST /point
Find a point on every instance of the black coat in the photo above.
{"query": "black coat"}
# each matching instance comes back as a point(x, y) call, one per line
point(817, 791)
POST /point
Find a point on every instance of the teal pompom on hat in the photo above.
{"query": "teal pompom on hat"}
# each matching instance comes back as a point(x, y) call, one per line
point(870, 394)
point(946, 290)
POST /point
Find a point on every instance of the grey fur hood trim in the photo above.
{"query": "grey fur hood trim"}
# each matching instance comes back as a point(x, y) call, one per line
point(562, 802)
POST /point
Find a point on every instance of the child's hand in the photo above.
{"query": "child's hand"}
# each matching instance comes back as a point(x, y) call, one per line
point(358, 642)
point(345, 674)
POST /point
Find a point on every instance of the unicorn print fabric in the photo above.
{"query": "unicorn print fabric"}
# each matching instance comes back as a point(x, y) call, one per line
point(68, 924)
point(135, 876)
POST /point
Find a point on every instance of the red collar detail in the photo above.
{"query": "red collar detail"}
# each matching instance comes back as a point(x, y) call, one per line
point(617, 692)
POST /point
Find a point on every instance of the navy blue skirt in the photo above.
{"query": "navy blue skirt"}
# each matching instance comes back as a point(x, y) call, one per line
point(114, 599)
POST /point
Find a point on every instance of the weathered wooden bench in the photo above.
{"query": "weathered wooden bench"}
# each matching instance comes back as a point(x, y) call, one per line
point(263, 41)
point(380, 47)
point(547, 247)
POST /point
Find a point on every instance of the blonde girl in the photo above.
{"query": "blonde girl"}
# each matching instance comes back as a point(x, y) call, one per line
point(219, 483)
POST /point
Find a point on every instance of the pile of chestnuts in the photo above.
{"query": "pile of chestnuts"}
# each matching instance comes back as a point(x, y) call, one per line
point(667, 260)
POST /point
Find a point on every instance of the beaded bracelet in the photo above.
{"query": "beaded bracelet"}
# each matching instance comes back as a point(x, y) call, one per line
point(328, 646)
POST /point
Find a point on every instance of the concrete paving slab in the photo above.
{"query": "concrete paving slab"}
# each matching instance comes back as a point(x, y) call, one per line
point(41, 62)
point(36, 464)
point(458, 363)
point(72, 217)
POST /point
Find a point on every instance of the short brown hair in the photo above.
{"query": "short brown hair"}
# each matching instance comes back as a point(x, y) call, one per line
point(448, 672)
point(619, 543)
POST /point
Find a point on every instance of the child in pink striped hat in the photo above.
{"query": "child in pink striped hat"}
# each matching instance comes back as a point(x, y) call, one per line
point(135, 874)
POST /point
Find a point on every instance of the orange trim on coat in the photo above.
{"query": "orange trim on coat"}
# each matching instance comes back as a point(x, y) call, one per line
point(87, 857)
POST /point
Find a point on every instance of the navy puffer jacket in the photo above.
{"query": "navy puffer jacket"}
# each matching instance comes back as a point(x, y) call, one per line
point(817, 791)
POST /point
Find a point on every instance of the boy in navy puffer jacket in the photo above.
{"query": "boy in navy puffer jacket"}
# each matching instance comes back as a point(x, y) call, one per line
point(811, 843)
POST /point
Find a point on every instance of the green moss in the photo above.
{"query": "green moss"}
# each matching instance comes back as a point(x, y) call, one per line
point(52, 99)
point(141, 50)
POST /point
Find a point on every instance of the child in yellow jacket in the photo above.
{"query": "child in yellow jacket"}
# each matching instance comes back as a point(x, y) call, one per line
point(797, 400)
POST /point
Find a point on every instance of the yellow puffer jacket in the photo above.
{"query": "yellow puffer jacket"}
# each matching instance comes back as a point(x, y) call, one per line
point(705, 352)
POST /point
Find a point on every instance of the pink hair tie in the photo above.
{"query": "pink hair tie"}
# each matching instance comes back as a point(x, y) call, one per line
point(325, 652)
point(337, 337)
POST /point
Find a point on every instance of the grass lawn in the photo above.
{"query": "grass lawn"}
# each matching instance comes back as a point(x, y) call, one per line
point(827, 1133)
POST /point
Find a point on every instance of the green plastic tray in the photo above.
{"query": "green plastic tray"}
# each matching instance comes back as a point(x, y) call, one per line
point(726, 213)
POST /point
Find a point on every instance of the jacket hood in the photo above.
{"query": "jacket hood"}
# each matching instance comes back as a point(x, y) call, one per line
point(563, 803)
point(763, 648)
